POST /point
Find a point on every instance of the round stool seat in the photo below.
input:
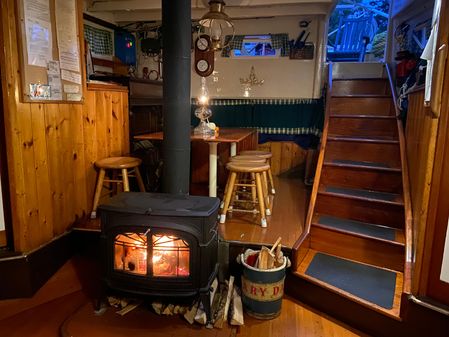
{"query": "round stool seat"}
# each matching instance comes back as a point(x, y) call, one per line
point(247, 167)
point(247, 158)
point(262, 154)
point(118, 163)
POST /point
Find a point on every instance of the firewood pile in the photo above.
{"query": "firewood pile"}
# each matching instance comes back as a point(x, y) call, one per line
point(265, 258)
point(226, 305)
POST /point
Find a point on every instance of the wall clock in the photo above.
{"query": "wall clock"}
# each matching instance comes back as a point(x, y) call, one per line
point(204, 56)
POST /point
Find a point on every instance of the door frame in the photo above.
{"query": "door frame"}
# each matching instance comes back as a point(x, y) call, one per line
point(8, 233)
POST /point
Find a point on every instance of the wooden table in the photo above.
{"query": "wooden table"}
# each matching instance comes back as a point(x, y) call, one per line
point(226, 135)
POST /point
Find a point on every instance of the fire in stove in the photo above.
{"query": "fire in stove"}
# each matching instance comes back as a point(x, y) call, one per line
point(170, 255)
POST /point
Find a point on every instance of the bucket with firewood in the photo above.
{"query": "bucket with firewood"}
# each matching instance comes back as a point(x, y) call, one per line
point(263, 281)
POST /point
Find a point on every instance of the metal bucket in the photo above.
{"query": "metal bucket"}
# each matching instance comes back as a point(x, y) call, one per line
point(262, 290)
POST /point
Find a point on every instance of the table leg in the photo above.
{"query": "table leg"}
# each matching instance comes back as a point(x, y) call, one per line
point(233, 149)
point(213, 158)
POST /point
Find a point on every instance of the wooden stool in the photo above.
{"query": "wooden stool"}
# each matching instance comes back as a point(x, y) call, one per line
point(241, 176)
point(267, 156)
point(257, 187)
point(116, 163)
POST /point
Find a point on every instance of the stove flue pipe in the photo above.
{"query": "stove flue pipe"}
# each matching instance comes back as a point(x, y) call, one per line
point(176, 37)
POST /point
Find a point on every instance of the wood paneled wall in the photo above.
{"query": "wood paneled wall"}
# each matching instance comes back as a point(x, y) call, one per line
point(51, 148)
point(421, 131)
point(286, 155)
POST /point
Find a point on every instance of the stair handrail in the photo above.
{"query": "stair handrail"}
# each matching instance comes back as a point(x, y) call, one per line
point(408, 230)
point(316, 180)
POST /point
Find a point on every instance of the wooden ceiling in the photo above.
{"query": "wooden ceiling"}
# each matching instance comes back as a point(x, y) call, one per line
point(149, 10)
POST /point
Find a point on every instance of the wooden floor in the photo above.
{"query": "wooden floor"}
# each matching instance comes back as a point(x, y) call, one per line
point(70, 313)
point(287, 220)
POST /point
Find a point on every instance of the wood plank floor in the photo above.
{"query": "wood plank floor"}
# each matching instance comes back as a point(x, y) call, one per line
point(72, 315)
point(287, 220)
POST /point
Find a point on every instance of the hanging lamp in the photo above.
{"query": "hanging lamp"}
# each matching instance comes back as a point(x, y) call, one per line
point(216, 22)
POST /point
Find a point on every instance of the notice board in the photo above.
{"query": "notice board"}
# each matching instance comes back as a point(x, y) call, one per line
point(50, 51)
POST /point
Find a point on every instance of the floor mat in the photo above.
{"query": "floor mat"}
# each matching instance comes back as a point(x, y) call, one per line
point(369, 283)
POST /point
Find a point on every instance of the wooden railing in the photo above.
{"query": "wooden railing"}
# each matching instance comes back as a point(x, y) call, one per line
point(406, 193)
point(297, 257)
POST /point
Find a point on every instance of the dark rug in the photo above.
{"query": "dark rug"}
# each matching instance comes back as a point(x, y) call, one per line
point(363, 228)
point(369, 283)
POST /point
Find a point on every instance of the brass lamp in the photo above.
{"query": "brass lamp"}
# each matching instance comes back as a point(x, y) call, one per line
point(215, 21)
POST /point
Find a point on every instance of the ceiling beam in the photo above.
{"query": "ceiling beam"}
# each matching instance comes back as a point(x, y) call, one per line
point(233, 12)
point(130, 5)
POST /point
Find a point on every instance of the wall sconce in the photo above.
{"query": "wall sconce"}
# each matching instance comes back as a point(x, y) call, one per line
point(215, 21)
point(250, 81)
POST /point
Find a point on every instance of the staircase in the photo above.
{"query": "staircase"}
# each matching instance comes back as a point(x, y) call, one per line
point(352, 260)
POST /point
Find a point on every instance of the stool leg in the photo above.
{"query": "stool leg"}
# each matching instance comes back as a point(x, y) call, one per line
point(228, 197)
point(98, 189)
point(225, 191)
point(139, 180)
point(263, 220)
point(253, 189)
point(270, 176)
point(265, 193)
point(125, 180)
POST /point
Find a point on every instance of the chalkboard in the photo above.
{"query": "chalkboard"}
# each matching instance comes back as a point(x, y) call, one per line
point(51, 62)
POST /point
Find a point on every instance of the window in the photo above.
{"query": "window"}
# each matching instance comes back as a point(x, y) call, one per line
point(256, 46)
point(259, 46)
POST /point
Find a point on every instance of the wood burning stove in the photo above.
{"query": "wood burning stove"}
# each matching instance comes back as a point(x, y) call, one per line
point(160, 245)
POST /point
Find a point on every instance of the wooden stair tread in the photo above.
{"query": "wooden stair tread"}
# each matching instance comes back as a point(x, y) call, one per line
point(393, 312)
point(359, 79)
point(362, 116)
point(379, 140)
point(367, 195)
point(363, 96)
point(359, 228)
point(362, 165)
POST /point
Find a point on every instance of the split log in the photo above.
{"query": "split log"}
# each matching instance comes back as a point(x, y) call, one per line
point(266, 259)
point(129, 307)
point(236, 309)
point(191, 313)
point(224, 304)
point(201, 314)
point(169, 310)
point(157, 307)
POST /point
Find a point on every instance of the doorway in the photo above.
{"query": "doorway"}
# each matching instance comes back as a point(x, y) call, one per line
point(358, 31)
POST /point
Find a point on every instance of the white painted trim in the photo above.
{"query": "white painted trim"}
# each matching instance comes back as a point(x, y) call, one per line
point(444, 276)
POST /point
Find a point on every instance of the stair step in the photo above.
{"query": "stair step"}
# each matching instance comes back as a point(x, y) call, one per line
point(375, 106)
point(362, 165)
point(361, 116)
point(373, 287)
point(362, 96)
point(360, 228)
point(377, 140)
point(357, 177)
point(360, 209)
point(360, 86)
point(363, 150)
point(367, 195)
point(375, 127)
